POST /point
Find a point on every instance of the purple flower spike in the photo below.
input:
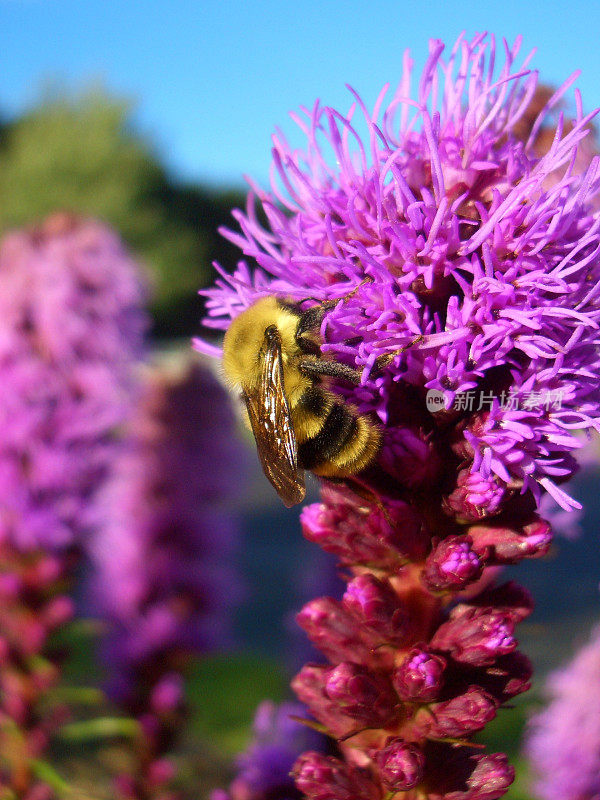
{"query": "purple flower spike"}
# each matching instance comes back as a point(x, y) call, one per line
point(72, 327)
point(470, 274)
point(449, 244)
point(71, 332)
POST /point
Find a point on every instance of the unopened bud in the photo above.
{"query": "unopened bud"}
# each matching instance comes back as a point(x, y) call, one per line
point(452, 565)
point(420, 676)
point(376, 605)
point(322, 777)
point(400, 764)
point(360, 694)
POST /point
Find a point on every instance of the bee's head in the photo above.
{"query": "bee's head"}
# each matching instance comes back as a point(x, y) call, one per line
point(245, 338)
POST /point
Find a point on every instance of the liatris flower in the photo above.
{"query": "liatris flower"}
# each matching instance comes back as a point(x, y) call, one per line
point(71, 326)
point(264, 769)
point(163, 577)
point(461, 272)
point(563, 740)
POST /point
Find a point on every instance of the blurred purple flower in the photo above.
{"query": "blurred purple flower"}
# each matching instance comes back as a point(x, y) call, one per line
point(164, 581)
point(467, 268)
point(264, 769)
point(71, 325)
point(563, 740)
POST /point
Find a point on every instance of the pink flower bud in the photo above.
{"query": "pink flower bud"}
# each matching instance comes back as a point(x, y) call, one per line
point(457, 717)
point(333, 629)
point(452, 565)
point(161, 771)
point(167, 694)
point(505, 545)
point(361, 531)
point(475, 496)
point(509, 676)
point(360, 694)
point(491, 777)
point(325, 778)
point(400, 764)
point(33, 635)
point(466, 774)
point(510, 599)
point(420, 676)
point(376, 605)
point(477, 636)
point(58, 611)
point(309, 685)
point(46, 571)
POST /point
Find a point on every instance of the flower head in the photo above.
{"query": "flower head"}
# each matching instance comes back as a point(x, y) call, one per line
point(450, 256)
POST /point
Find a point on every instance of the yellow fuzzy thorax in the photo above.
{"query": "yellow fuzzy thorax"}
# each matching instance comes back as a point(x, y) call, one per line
point(244, 340)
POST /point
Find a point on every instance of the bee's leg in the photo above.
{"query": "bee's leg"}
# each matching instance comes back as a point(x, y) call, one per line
point(382, 361)
point(314, 367)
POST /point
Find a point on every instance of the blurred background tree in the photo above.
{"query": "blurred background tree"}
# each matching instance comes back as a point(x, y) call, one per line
point(81, 152)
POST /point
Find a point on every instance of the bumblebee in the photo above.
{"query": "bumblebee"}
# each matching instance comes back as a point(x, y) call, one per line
point(271, 356)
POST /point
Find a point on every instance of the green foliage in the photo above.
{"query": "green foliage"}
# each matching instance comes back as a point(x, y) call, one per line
point(505, 735)
point(81, 153)
point(223, 693)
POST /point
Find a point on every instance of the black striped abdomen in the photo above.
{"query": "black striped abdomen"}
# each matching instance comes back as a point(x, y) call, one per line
point(345, 442)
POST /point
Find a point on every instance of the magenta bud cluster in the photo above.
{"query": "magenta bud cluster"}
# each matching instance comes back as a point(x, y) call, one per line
point(32, 608)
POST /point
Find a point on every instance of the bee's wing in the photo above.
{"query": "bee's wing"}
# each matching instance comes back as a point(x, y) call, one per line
point(271, 423)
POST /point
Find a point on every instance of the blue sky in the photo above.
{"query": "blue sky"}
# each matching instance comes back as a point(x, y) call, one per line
point(212, 79)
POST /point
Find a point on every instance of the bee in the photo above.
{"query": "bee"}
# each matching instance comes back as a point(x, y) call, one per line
point(272, 357)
